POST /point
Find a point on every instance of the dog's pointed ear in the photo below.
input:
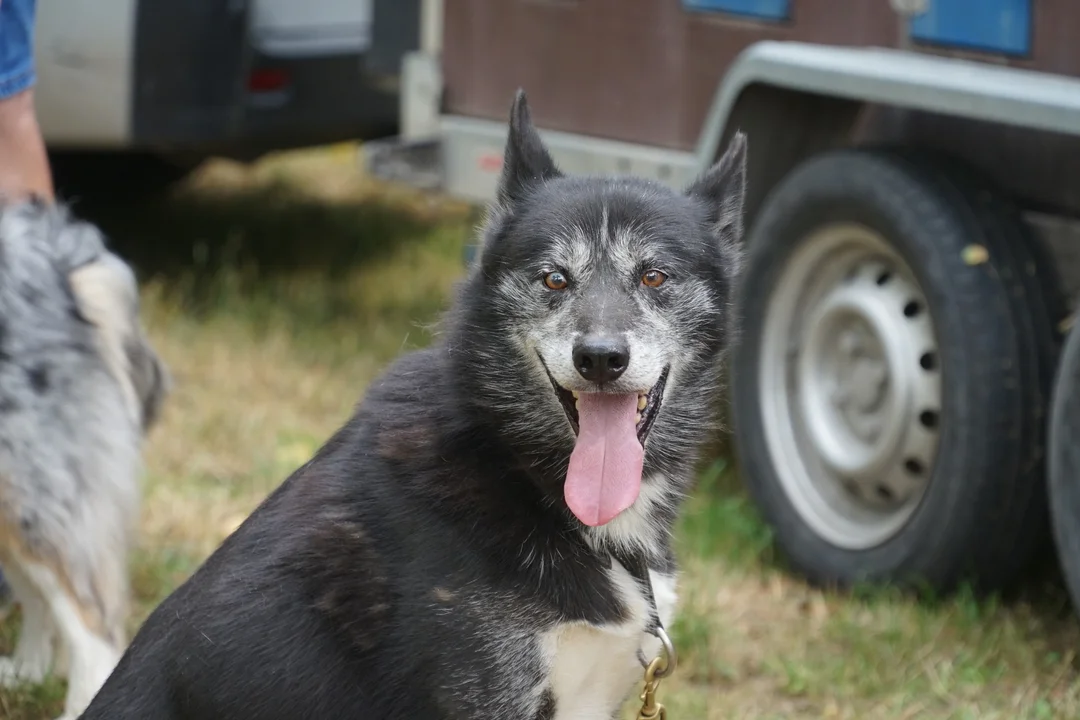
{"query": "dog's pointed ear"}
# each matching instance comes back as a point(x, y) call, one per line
point(526, 161)
point(722, 189)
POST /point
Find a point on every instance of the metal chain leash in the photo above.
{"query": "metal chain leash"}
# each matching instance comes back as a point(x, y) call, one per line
point(662, 666)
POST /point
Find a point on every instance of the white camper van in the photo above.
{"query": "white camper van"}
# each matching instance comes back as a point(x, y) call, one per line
point(185, 79)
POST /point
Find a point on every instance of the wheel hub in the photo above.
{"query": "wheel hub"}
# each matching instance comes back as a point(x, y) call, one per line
point(861, 361)
point(854, 397)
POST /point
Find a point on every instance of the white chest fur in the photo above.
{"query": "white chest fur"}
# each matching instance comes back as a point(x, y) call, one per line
point(592, 669)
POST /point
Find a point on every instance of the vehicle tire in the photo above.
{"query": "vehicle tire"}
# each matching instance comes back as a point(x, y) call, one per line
point(1064, 464)
point(889, 387)
point(1039, 310)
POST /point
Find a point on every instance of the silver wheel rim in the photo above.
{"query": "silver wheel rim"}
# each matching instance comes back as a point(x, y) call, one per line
point(850, 386)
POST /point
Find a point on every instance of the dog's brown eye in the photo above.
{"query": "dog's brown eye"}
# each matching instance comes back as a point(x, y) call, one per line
point(653, 278)
point(555, 281)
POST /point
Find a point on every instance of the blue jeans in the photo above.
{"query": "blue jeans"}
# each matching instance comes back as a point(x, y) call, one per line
point(16, 46)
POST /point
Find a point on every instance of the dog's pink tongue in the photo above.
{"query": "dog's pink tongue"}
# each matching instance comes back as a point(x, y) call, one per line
point(605, 468)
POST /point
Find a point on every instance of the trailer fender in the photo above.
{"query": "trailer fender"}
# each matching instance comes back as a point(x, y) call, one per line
point(796, 99)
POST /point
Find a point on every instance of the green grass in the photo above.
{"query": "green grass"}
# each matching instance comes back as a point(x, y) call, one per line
point(275, 293)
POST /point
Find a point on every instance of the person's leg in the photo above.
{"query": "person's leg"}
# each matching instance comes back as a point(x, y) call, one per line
point(24, 165)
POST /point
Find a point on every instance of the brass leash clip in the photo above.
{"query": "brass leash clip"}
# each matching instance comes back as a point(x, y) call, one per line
point(650, 709)
point(660, 667)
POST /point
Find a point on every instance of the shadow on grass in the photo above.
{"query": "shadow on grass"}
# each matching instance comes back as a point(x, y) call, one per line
point(283, 257)
point(273, 229)
point(307, 210)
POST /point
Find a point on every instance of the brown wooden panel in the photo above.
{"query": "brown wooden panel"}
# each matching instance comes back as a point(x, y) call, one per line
point(646, 70)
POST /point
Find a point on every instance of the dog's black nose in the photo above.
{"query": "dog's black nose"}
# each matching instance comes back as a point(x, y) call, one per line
point(601, 359)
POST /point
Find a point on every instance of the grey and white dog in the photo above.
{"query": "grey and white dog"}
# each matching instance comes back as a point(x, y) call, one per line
point(481, 538)
point(79, 386)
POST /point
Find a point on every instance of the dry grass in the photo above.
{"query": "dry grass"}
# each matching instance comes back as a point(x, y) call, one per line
point(276, 293)
point(760, 644)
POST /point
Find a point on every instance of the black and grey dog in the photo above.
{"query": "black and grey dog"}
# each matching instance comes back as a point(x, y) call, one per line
point(489, 534)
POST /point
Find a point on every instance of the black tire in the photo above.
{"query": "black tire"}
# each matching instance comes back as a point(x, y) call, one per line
point(1039, 308)
point(1064, 464)
point(984, 507)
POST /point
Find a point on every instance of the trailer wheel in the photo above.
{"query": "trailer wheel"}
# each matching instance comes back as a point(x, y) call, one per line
point(1039, 310)
point(885, 390)
point(1064, 464)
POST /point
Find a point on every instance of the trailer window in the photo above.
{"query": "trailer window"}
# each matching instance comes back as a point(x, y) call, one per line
point(762, 9)
point(1002, 26)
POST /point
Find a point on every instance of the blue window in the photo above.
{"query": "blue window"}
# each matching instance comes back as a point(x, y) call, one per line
point(996, 25)
point(760, 9)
